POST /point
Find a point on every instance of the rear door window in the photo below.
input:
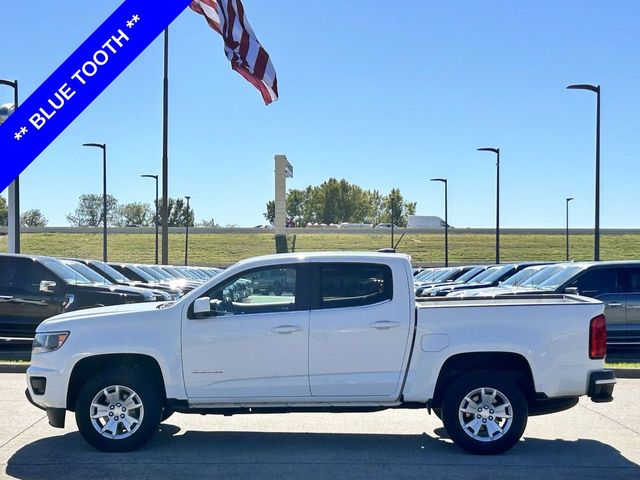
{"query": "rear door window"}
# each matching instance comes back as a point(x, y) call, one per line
point(354, 284)
point(599, 281)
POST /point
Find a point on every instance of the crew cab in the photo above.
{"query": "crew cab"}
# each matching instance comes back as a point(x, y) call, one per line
point(345, 336)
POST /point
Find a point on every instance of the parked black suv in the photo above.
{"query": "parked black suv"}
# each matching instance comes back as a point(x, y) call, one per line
point(616, 284)
point(34, 288)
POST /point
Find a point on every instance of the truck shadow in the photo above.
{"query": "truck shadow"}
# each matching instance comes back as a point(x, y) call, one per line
point(173, 453)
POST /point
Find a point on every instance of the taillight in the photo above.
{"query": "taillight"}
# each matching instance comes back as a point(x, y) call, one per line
point(597, 337)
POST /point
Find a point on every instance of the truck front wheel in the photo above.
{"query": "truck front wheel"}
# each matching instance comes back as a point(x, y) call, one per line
point(118, 410)
point(484, 414)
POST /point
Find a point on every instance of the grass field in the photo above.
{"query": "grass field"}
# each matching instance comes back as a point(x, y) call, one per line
point(226, 248)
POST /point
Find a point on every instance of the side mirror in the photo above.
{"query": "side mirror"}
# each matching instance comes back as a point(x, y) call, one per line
point(47, 286)
point(572, 291)
point(202, 306)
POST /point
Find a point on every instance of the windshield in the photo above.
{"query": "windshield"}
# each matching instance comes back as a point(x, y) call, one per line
point(469, 275)
point(497, 272)
point(67, 274)
point(530, 276)
point(173, 273)
point(152, 272)
point(110, 271)
point(478, 279)
point(86, 272)
point(141, 273)
point(426, 274)
point(565, 274)
point(443, 274)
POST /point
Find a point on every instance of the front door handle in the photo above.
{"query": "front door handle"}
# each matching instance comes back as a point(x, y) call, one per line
point(384, 325)
point(286, 329)
point(614, 304)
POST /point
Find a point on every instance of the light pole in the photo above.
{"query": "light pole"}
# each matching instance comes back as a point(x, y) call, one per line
point(186, 237)
point(596, 90)
point(392, 201)
point(567, 225)
point(14, 188)
point(446, 221)
point(155, 177)
point(497, 152)
point(104, 195)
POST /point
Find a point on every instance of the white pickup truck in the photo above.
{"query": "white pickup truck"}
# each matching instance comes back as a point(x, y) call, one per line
point(342, 334)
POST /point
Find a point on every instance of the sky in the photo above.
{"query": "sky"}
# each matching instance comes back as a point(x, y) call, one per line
point(383, 97)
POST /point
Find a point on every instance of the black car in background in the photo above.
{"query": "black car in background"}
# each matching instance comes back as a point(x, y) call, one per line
point(34, 288)
point(616, 284)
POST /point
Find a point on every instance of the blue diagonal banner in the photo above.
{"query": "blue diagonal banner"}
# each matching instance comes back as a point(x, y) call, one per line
point(79, 80)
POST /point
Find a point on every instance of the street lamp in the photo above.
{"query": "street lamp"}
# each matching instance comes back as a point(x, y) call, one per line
point(596, 90)
point(497, 152)
point(392, 202)
point(14, 188)
point(446, 221)
point(104, 195)
point(155, 177)
point(186, 237)
point(567, 226)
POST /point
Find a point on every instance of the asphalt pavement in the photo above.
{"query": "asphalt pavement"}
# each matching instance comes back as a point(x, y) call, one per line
point(590, 441)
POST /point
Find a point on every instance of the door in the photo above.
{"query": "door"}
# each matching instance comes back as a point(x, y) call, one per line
point(359, 329)
point(605, 284)
point(22, 305)
point(632, 288)
point(253, 344)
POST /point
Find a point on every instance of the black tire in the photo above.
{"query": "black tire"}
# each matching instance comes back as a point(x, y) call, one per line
point(277, 289)
point(149, 396)
point(453, 417)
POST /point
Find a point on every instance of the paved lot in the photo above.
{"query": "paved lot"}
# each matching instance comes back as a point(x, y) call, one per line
point(589, 441)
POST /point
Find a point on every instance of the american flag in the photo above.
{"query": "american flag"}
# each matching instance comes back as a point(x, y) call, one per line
point(241, 46)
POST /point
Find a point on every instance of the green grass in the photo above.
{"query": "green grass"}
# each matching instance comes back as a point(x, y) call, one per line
point(226, 248)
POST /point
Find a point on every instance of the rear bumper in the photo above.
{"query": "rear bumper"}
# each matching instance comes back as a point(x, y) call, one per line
point(601, 385)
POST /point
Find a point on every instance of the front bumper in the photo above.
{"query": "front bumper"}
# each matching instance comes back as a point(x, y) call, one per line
point(601, 384)
point(55, 416)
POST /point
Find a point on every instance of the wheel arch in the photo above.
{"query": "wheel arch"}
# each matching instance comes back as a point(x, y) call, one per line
point(514, 365)
point(92, 365)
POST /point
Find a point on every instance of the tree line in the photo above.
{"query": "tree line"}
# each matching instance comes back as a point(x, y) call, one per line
point(30, 218)
point(89, 213)
point(337, 201)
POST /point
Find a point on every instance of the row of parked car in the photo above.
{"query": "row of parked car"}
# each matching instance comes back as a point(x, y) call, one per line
point(616, 284)
point(33, 288)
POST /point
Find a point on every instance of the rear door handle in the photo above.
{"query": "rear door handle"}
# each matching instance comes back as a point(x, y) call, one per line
point(286, 329)
point(614, 304)
point(384, 325)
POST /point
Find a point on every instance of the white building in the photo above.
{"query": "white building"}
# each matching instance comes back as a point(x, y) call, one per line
point(425, 221)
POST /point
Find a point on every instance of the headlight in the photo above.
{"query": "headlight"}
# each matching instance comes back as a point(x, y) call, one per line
point(48, 342)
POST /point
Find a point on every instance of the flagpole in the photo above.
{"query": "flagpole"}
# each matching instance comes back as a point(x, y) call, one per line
point(165, 153)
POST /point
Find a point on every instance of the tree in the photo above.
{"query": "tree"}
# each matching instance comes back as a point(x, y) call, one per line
point(4, 212)
point(337, 201)
point(270, 214)
point(177, 213)
point(33, 218)
point(211, 223)
point(397, 209)
point(89, 211)
point(135, 214)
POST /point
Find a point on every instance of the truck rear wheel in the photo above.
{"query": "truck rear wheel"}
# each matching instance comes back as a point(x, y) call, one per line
point(484, 414)
point(118, 410)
